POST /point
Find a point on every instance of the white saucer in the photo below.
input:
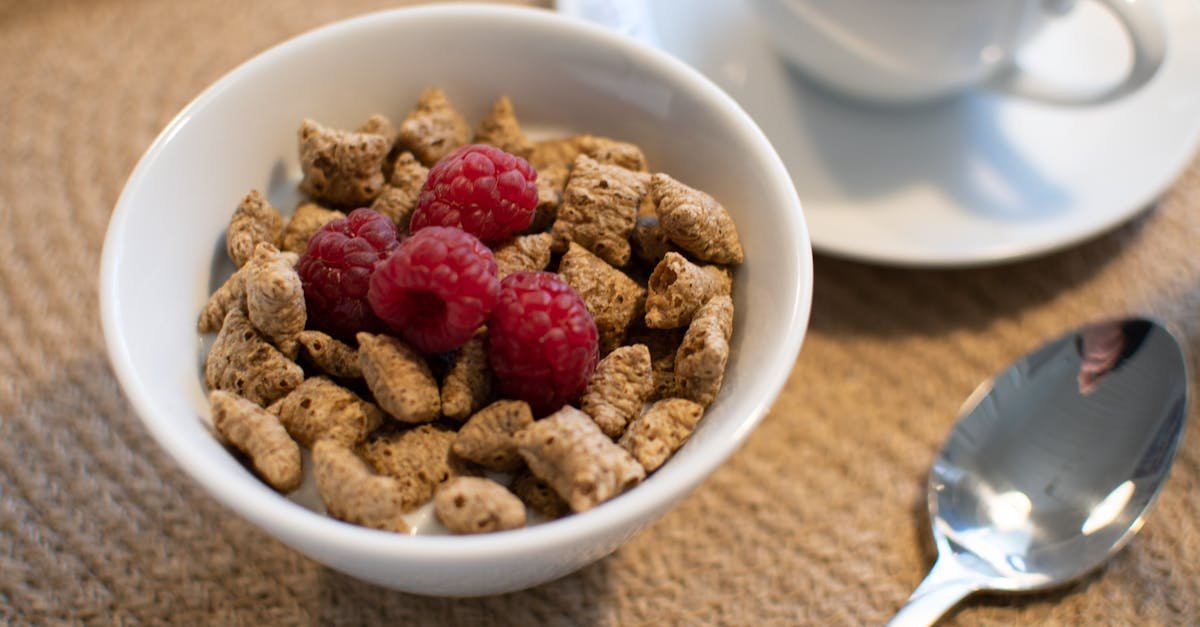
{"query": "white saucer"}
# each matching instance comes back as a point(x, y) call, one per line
point(979, 179)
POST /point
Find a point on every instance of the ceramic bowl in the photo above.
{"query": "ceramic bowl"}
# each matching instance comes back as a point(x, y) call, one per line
point(164, 251)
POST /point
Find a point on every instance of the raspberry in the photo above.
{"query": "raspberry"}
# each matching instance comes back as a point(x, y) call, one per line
point(542, 342)
point(436, 289)
point(336, 269)
point(481, 189)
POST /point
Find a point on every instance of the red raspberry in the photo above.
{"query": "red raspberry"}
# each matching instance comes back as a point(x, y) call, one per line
point(336, 269)
point(436, 289)
point(481, 189)
point(542, 342)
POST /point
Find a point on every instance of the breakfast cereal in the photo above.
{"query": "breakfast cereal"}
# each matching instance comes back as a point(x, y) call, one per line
point(620, 386)
point(552, 179)
point(399, 195)
point(500, 128)
point(565, 150)
point(538, 496)
point(569, 452)
point(695, 221)
point(678, 288)
point(433, 128)
point(242, 362)
point(379, 124)
point(649, 242)
point(231, 295)
point(334, 357)
point(399, 378)
point(487, 438)
point(468, 384)
point(275, 298)
point(254, 221)
point(523, 252)
point(610, 244)
point(308, 218)
point(663, 344)
point(419, 459)
point(477, 505)
point(257, 433)
point(660, 431)
point(611, 151)
point(351, 492)
point(599, 209)
point(613, 299)
point(319, 409)
point(342, 168)
point(700, 362)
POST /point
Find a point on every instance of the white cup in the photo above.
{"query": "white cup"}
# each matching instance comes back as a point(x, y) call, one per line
point(910, 51)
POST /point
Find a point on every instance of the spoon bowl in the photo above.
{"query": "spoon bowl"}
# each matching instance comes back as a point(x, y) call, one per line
point(1053, 464)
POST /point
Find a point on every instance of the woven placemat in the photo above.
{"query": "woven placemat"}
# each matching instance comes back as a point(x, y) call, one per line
point(817, 520)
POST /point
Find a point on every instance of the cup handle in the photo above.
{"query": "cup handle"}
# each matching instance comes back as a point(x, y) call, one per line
point(1143, 25)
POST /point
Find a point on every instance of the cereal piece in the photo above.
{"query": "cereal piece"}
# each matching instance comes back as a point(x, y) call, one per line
point(379, 124)
point(560, 151)
point(538, 495)
point(399, 378)
point(255, 220)
point(353, 493)
point(622, 383)
point(242, 362)
point(477, 505)
point(309, 217)
point(468, 383)
point(334, 357)
point(275, 298)
point(613, 299)
point(649, 242)
point(419, 459)
point(231, 295)
point(678, 288)
point(395, 203)
point(550, 183)
point(408, 173)
point(400, 194)
point(500, 128)
point(564, 150)
point(320, 409)
point(569, 451)
point(433, 128)
point(524, 252)
point(663, 344)
point(599, 209)
point(258, 434)
point(700, 362)
point(341, 167)
point(611, 151)
point(659, 432)
point(487, 438)
point(695, 221)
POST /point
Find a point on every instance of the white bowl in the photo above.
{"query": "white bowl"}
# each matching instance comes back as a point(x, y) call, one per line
point(158, 264)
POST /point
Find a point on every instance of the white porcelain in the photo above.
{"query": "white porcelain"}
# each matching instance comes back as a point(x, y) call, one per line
point(977, 179)
point(908, 51)
point(158, 263)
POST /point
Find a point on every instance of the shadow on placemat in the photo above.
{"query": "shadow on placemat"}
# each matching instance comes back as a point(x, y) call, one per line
point(576, 599)
point(856, 298)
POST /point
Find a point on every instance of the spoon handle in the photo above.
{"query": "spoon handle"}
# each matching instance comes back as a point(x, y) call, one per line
point(946, 584)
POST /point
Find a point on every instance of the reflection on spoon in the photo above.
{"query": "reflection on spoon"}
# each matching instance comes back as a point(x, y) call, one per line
point(1053, 464)
point(1102, 347)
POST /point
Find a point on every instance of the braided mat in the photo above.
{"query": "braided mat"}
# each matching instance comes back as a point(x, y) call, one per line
point(819, 519)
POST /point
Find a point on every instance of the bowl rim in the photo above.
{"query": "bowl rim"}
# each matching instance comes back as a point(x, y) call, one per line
point(292, 522)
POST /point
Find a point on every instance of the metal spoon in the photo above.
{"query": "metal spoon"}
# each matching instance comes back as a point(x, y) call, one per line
point(1053, 464)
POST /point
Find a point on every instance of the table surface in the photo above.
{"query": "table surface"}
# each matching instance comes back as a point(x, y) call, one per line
point(819, 519)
